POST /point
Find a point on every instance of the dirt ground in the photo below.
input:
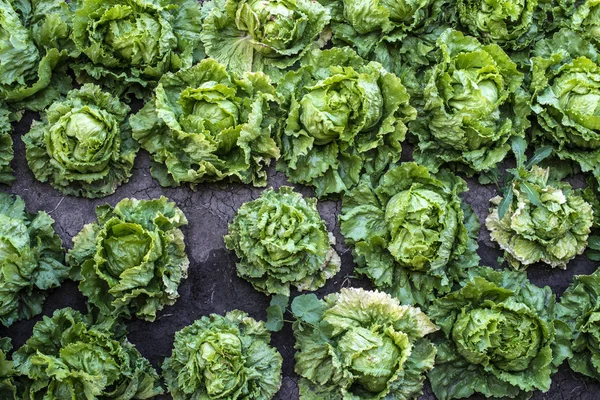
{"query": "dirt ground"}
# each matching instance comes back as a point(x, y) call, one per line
point(213, 286)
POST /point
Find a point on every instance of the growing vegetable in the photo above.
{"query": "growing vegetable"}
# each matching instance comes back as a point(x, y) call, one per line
point(474, 105)
point(345, 117)
point(132, 260)
point(6, 147)
point(69, 357)
point(583, 17)
point(129, 44)
point(579, 310)
point(205, 124)
point(34, 44)
point(282, 241)
point(257, 35)
point(31, 260)
point(359, 344)
point(411, 234)
point(501, 338)
point(543, 221)
point(223, 358)
point(83, 145)
point(9, 386)
point(566, 99)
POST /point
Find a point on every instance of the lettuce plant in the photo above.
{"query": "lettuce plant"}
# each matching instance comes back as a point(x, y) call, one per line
point(474, 105)
point(566, 98)
point(411, 234)
point(68, 357)
point(345, 117)
point(83, 145)
point(580, 311)
point(205, 124)
point(8, 386)
point(257, 35)
point(223, 357)
point(34, 45)
point(501, 338)
point(132, 259)
point(282, 241)
point(6, 147)
point(129, 44)
point(359, 344)
point(31, 260)
point(582, 17)
point(541, 221)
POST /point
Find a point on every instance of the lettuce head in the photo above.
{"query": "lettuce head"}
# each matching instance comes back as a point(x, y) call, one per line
point(6, 147)
point(282, 241)
point(223, 357)
point(132, 259)
point(411, 234)
point(359, 344)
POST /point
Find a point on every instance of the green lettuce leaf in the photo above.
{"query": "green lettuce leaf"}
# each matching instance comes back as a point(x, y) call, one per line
point(6, 147)
point(346, 117)
point(362, 345)
point(582, 17)
point(474, 105)
point(132, 260)
point(223, 358)
point(11, 384)
point(205, 124)
point(411, 234)
point(83, 145)
point(282, 241)
point(34, 48)
point(31, 260)
point(68, 357)
point(501, 338)
point(262, 35)
point(129, 44)
point(580, 311)
point(545, 222)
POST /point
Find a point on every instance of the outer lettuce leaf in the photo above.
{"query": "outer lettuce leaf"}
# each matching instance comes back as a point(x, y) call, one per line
point(129, 44)
point(359, 344)
point(282, 241)
point(31, 260)
point(412, 235)
point(68, 357)
point(582, 17)
point(474, 105)
point(205, 124)
point(223, 357)
point(132, 260)
point(34, 45)
point(501, 338)
point(579, 309)
point(544, 222)
point(262, 35)
point(345, 118)
point(11, 387)
point(566, 99)
point(83, 145)
point(6, 147)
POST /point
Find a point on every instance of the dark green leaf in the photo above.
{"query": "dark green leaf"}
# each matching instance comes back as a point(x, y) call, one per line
point(505, 202)
point(519, 145)
point(274, 318)
point(532, 194)
point(307, 308)
point(540, 154)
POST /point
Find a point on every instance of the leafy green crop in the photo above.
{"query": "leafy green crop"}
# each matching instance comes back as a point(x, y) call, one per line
point(223, 358)
point(10, 383)
point(412, 235)
point(359, 344)
point(580, 311)
point(6, 147)
point(132, 260)
point(540, 221)
point(205, 124)
point(129, 44)
point(474, 105)
point(581, 16)
point(83, 144)
point(566, 98)
point(345, 117)
point(34, 45)
point(501, 337)
point(282, 241)
point(257, 35)
point(68, 357)
point(31, 260)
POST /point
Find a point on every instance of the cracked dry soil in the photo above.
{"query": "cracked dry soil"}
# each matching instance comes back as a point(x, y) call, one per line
point(213, 286)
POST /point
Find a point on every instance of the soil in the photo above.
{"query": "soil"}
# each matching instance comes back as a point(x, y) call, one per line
point(213, 286)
